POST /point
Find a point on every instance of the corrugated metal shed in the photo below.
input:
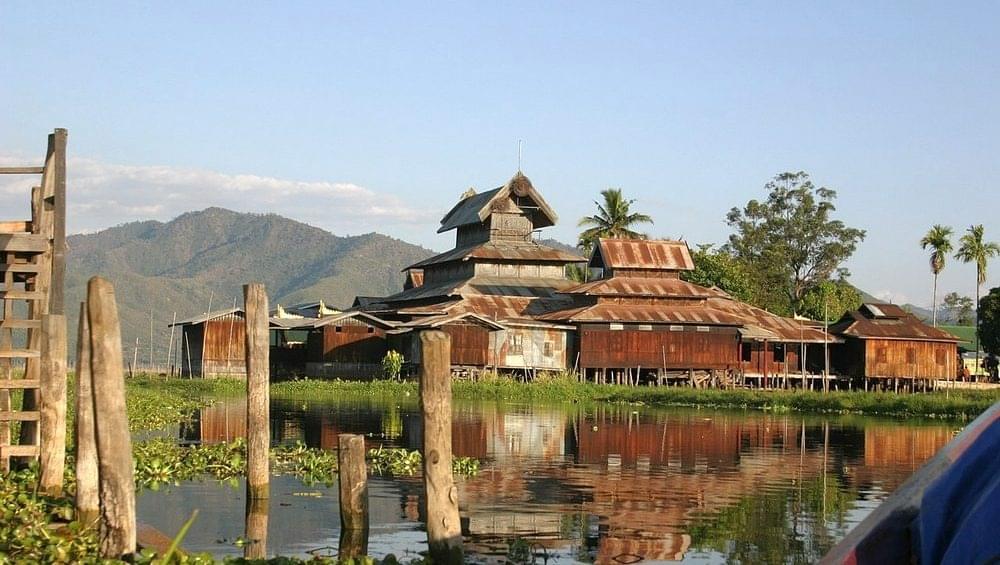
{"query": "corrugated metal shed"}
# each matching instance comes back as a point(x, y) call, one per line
point(887, 321)
point(642, 254)
point(477, 207)
point(512, 251)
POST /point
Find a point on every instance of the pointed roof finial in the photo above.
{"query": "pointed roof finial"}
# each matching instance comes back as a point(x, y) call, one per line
point(520, 143)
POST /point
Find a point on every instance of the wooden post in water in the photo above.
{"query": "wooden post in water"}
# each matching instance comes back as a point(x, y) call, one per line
point(353, 477)
point(52, 404)
point(87, 501)
point(258, 396)
point(256, 527)
point(114, 443)
point(444, 531)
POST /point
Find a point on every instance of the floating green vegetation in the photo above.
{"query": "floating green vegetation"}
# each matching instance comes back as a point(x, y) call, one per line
point(162, 462)
point(962, 404)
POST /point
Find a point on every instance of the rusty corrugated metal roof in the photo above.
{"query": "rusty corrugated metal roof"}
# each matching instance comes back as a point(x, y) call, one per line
point(207, 316)
point(658, 313)
point(477, 207)
point(643, 287)
point(642, 254)
point(899, 325)
point(493, 286)
point(527, 251)
point(786, 329)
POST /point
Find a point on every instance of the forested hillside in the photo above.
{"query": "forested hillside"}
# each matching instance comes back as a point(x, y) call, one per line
point(205, 257)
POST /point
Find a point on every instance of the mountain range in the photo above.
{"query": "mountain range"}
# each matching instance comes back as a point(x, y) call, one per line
point(200, 260)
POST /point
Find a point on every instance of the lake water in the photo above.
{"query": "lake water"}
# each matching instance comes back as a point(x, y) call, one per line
point(565, 484)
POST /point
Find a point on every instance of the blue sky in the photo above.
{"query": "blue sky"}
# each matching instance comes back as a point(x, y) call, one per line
point(376, 116)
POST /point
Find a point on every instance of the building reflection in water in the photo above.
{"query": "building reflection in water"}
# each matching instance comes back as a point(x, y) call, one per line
point(608, 482)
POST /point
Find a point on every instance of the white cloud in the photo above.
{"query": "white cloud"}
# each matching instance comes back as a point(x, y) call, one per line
point(102, 194)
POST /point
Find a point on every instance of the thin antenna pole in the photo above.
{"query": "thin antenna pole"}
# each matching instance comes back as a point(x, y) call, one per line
point(520, 143)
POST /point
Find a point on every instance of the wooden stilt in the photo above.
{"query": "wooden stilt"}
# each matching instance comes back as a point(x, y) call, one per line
point(444, 534)
point(256, 527)
point(114, 442)
point(353, 496)
point(87, 500)
point(258, 396)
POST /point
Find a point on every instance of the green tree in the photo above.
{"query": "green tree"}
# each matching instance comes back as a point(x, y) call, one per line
point(614, 219)
point(718, 268)
point(989, 321)
point(959, 308)
point(973, 249)
point(789, 242)
point(938, 238)
point(831, 298)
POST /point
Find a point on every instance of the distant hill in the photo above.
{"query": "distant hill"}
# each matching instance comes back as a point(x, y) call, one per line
point(556, 244)
point(201, 257)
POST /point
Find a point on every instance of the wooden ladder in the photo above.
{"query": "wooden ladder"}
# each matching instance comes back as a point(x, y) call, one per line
point(32, 266)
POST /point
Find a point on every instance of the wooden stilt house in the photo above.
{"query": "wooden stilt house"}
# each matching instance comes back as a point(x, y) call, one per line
point(883, 341)
point(640, 321)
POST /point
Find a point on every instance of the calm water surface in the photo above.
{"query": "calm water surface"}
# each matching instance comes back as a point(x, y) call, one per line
point(564, 484)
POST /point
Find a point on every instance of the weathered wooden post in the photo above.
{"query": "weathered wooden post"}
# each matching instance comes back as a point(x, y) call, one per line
point(52, 404)
point(114, 443)
point(87, 501)
point(256, 527)
point(444, 531)
point(258, 396)
point(353, 478)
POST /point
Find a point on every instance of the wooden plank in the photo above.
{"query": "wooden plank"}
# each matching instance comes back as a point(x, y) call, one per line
point(24, 242)
point(52, 404)
point(258, 395)
point(19, 354)
point(18, 451)
point(57, 290)
point(114, 442)
point(14, 324)
point(18, 384)
point(21, 170)
point(20, 416)
point(15, 294)
point(15, 226)
point(20, 267)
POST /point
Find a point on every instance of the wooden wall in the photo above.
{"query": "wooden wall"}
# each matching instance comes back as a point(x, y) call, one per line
point(223, 348)
point(350, 348)
point(658, 347)
point(910, 359)
point(470, 344)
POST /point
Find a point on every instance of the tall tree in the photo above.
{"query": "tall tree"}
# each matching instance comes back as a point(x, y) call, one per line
point(790, 242)
point(830, 299)
point(989, 321)
point(938, 238)
point(974, 249)
point(614, 219)
point(959, 308)
point(718, 268)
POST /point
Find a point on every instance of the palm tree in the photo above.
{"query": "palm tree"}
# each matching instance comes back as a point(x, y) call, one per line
point(614, 219)
point(938, 238)
point(974, 249)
